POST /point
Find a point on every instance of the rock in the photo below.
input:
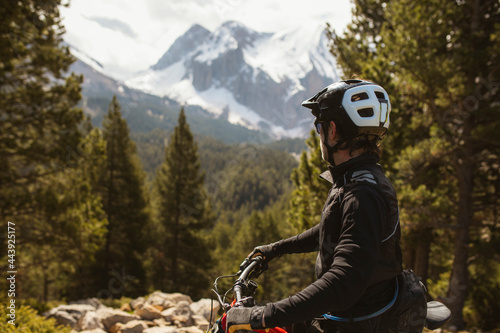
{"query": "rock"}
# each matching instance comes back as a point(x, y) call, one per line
point(134, 326)
point(97, 330)
point(64, 318)
point(205, 307)
point(200, 322)
point(94, 302)
point(167, 300)
point(126, 307)
point(168, 314)
point(115, 328)
point(180, 315)
point(135, 303)
point(166, 329)
point(89, 321)
point(69, 315)
point(190, 329)
point(110, 317)
point(148, 312)
point(162, 322)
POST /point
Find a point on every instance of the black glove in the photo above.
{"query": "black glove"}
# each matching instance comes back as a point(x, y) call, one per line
point(241, 318)
point(267, 252)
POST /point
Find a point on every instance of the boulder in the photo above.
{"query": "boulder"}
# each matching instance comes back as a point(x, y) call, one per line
point(110, 317)
point(94, 302)
point(89, 321)
point(166, 300)
point(204, 307)
point(200, 322)
point(181, 315)
point(69, 315)
point(164, 329)
point(148, 312)
point(115, 328)
point(64, 318)
point(134, 326)
point(135, 303)
point(190, 329)
point(126, 307)
point(96, 330)
point(162, 322)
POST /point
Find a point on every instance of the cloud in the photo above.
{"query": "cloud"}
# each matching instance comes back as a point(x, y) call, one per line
point(127, 36)
point(114, 24)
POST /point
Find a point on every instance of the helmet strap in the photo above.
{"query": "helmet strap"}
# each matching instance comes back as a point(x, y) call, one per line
point(330, 150)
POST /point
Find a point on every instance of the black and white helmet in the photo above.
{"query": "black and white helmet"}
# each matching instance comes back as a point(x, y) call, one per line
point(360, 107)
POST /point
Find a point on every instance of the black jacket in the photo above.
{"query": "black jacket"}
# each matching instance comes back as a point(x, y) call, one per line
point(358, 243)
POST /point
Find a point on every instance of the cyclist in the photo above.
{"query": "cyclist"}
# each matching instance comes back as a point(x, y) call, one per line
point(357, 239)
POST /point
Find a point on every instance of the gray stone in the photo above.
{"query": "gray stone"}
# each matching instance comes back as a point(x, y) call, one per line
point(166, 300)
point(148, 312)
point(134, 326)
point(164, 329)
point(64, 318)
point(135, 303)
point(89, 321)
point(94, 302)
point(110, 317)
point(204, 307)
point(190, 329)
point(200, 322)
point(96, 330)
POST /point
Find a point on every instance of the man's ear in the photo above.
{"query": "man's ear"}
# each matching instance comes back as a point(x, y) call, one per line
point(332, 131)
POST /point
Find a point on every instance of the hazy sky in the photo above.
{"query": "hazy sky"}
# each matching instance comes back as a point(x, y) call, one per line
point(127, 36)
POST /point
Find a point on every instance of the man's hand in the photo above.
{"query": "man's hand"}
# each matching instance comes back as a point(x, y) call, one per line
point(241, 318)
point(267, 252)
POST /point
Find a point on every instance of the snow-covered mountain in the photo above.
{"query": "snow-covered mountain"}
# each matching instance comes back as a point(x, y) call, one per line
point(251, 78)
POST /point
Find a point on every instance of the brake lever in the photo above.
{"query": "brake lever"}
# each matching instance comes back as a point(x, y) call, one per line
point(225, 306)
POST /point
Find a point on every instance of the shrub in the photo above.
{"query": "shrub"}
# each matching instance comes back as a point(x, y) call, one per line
point(27, 320)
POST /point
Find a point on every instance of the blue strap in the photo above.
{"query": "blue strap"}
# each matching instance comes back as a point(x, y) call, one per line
point(372, 315)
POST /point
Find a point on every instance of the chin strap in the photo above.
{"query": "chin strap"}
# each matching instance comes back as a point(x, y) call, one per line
point(333, 149)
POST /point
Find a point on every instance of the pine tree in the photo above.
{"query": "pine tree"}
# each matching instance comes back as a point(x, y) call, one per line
point(39, 120)
point(39, 134)
point(183, 212)
point(121, 189)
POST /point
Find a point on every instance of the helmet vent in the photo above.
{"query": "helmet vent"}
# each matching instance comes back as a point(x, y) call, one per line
point(359, 97)
point(366, 112)
point(379, 94)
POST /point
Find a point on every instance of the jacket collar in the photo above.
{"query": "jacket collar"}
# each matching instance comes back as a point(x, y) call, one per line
point(334, 173)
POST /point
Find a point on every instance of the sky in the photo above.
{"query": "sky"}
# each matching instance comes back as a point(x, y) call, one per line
point(128, 36)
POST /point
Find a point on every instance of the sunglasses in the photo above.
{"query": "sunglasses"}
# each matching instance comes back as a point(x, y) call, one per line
point(317, 125)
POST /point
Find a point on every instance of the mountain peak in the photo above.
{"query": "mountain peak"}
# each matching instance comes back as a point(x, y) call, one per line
point(257, 79)
point(182, 46)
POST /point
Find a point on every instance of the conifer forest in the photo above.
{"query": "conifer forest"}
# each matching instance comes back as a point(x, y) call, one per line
point(101, 211)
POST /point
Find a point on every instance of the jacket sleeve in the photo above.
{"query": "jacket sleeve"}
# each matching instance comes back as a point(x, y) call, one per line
point(354, 262)
point(307, 241)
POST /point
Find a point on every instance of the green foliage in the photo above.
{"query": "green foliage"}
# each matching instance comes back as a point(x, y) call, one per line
point(245, 177)
point(120, 185)
point(182, 214)
point(44, 185)
point(39, 119)
point(27, 320)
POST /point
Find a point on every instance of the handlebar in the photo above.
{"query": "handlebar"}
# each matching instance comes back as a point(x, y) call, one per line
point(242, 280)
point(241, 286)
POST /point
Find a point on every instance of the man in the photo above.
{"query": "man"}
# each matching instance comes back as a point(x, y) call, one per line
point(359, 255)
